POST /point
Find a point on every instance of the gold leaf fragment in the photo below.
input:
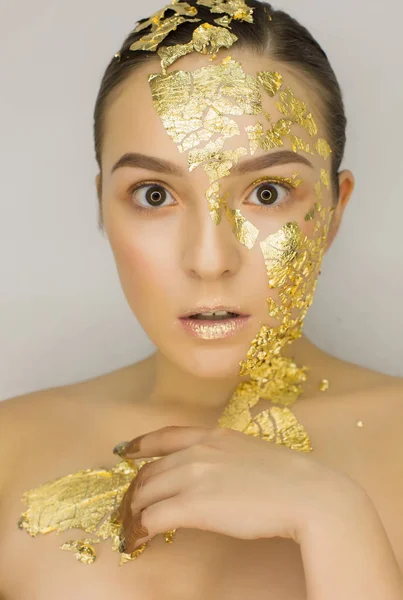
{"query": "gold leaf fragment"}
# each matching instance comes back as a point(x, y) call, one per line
point(271, 81)
point(323, 148)
point(324, 385)
point(244, 230)
point(151, 41)
point(237, 9)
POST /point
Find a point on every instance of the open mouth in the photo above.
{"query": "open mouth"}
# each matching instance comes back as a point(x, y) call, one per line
point(219, 315)
point(214, 325)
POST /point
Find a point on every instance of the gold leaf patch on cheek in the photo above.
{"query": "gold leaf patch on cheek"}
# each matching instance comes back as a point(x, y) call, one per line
point(245, 232)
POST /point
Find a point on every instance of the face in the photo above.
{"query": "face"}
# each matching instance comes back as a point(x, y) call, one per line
point(225, 203)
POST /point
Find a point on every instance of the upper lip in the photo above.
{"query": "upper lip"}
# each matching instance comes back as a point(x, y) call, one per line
point(215, 308)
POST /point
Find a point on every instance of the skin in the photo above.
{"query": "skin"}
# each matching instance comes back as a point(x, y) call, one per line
point(205, 261)
point(53, 432)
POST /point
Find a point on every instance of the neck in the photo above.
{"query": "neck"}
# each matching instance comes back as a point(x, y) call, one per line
point(174, 387)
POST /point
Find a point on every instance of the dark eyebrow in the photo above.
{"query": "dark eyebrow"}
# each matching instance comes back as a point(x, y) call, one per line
point(259, 163)
point(142, 161)
point(272, 159)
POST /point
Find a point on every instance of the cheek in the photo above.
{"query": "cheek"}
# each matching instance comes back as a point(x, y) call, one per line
point(145, 259)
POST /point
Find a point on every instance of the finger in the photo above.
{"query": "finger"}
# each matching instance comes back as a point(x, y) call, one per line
point(155, 488)
point(162, 441)
point(159, 518)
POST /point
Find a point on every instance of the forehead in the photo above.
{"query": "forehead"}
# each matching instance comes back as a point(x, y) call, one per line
point(132, 122)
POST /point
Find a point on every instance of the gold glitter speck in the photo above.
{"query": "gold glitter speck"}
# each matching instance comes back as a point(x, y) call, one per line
point(324, 385)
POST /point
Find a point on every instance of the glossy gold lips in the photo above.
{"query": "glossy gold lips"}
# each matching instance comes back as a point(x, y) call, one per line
point(214, 330)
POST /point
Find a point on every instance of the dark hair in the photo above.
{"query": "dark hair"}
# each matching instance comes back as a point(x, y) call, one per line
point(281, 38)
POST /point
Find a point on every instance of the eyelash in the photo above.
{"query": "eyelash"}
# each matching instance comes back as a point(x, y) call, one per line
point(277, 180)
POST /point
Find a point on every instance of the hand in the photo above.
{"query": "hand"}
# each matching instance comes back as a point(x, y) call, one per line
point(224, 481)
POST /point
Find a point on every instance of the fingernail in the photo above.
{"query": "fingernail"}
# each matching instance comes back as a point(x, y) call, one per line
point(120, 448)
point(125, 448)
point(137, 532)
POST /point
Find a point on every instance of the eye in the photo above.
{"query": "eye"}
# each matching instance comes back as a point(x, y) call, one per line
point(270, 193)
point(153, 195)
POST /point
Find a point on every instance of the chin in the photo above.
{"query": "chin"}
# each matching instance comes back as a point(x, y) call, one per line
point(212, 361)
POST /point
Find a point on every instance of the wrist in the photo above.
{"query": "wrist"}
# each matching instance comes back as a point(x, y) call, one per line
point(338, 502)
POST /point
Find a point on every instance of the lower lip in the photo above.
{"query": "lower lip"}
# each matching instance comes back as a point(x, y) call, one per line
point(214, 330)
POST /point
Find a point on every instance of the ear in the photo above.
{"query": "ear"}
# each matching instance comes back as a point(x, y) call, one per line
point(98, 185)
point(346, 187)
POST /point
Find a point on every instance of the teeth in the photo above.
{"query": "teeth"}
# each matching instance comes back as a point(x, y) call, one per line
point(218, 314)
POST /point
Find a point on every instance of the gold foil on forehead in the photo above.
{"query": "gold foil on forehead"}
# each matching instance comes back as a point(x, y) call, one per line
point(207, 39)
point(217, 164)
point(272, 138)
point(325, 178)
point(255, 134)
point(295, 109)
point(237, 9)
point(323, 148)
point(151, 41)
point(298, 144)
point(271, 82)
point(194, 105)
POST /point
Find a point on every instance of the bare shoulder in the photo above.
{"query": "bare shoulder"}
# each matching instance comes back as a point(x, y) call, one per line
point(57, 416)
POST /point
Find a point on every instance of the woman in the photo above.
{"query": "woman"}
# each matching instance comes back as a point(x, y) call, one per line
point(271, 467)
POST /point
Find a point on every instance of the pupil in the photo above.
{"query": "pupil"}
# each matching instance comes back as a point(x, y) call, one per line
point(268, 194)
point(155, 196)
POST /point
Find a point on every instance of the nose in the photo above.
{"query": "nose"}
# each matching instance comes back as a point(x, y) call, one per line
point(209, 251)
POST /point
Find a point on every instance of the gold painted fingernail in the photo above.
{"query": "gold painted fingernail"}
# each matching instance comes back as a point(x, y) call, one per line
point(126, 448)
point(120, 448)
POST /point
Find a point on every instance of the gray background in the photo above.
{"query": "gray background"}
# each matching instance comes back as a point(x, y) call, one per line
point(63, 316)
